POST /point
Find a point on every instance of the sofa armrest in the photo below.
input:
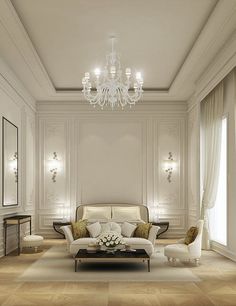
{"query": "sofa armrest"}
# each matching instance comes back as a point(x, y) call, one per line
point(68, 233)
point(153, 233)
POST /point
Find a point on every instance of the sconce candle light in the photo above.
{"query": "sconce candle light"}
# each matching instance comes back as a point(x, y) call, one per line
point(169, 166)
point(54, 166)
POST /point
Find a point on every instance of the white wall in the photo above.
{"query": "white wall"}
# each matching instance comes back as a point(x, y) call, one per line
point(18, 107)
point(111, 157)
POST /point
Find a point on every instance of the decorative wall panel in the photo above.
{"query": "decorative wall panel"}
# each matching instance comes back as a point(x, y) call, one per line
point(112, 157)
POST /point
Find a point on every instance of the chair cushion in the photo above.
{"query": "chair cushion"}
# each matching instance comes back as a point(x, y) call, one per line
point(142, 230)
point(191, 235)
point(79, 229)
point(177, 251)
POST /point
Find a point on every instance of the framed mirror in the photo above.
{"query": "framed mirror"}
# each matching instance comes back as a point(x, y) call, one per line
point(9, 163)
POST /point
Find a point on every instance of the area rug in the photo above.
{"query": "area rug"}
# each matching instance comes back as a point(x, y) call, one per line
point(57, 265)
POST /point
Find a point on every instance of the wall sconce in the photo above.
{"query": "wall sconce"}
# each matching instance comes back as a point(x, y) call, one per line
point(54, 166)
point(169, 166)
point(13, 166)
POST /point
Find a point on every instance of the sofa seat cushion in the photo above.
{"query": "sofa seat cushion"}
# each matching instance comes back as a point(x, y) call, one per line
point(140, 243)
point(81, 243)
point(177, 251)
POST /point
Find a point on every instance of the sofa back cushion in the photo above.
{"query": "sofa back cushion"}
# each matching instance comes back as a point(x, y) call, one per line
point(127, 213)
point(97, 212)
point(79, 229)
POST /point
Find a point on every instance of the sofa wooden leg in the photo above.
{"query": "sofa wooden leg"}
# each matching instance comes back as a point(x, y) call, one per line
point(169, 259)
point(174, 261)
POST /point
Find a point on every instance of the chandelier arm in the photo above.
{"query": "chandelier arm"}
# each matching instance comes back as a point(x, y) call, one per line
point(92, 98)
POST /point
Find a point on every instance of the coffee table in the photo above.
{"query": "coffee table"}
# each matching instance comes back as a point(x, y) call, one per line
point(119, 256)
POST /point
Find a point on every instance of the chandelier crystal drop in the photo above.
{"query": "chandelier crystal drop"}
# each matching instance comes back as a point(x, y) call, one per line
point(110, 90)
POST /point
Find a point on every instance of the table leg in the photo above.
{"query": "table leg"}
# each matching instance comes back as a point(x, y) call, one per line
point(18, 227)
point(5, 237)
point(148, 265)
point(76, 265)
point(30, 226)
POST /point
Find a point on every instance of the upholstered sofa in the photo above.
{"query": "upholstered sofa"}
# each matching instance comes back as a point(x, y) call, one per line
point(109, 213)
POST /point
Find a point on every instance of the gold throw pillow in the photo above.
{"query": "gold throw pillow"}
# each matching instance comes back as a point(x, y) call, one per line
point(79, 229)
point(142, 230)
point(191, 235)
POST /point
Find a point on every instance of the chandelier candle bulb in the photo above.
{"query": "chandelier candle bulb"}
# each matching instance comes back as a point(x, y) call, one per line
point(128, 72)
point(138, 76)
point(97, 72)
point(87, 76)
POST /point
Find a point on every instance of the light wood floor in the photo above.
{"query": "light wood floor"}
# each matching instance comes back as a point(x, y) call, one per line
point(218, 286)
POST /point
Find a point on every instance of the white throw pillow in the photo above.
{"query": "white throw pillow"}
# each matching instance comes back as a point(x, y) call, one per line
point(126, 213)
point(127, 229)
point(111, 227)
point(97, 212)
point(94, 229)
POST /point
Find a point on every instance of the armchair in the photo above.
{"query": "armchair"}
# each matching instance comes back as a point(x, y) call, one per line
point(186, 252)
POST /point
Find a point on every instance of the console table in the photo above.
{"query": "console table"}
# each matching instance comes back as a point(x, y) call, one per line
point(57, 224)
point(163, 225)
point(15, 220)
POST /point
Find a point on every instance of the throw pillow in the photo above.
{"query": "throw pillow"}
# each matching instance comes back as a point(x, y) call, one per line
point(79, 229)
point(142, 230)
point(94, 229)
point(111, 227)
point(127, 229)
point(191, 235)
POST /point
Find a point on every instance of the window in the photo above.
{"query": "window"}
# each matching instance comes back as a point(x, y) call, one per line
point(218, 214)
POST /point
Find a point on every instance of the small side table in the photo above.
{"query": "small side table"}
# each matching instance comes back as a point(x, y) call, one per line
point(163, 225)
point(57, 224)
point(15, 220)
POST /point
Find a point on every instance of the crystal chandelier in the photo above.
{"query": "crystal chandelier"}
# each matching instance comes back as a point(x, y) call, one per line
point(110, 90)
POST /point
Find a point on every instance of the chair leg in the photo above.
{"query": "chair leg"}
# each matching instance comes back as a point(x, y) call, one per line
point(196, 261)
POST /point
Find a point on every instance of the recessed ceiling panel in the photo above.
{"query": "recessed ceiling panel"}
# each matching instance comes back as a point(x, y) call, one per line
point(153, 36)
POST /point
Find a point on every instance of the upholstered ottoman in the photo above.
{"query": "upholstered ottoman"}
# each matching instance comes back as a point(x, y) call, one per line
point(33, 241)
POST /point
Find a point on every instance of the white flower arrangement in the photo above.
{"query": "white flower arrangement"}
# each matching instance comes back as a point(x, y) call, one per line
point(110, 239)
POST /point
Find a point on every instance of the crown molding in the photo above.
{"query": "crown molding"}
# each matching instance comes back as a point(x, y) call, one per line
point(217, 30)
point(221, 20)
point(13, 87)
point(223, 63)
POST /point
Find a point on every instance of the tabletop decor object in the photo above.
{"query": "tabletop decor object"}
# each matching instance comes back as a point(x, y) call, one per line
point(110, 240)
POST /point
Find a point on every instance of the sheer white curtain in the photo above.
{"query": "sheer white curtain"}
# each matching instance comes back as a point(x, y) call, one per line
point(212, 112)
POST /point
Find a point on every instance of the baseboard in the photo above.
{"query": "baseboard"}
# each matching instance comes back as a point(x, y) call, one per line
point(221, 249)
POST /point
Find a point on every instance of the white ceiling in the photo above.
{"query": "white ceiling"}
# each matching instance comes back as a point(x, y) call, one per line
point(51, 43)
